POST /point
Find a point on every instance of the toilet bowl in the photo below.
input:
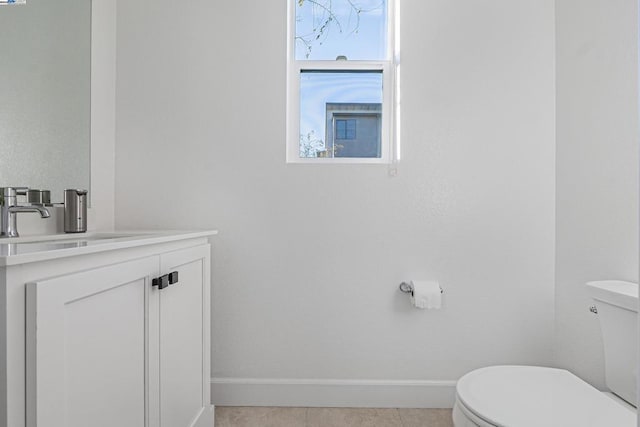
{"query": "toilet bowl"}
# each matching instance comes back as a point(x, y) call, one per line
point(532, 396)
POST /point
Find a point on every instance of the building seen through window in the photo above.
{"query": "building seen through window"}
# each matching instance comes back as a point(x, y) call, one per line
point(353, 130)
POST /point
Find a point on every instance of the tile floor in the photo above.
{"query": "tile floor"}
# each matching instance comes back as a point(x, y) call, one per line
point(331, 417)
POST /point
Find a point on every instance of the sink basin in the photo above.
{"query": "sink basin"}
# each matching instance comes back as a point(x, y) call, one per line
point(27, 249)
point(67, 238)
point(41, 244)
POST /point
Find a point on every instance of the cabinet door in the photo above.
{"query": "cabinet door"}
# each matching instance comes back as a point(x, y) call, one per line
point(184, 340)
point(88, 344)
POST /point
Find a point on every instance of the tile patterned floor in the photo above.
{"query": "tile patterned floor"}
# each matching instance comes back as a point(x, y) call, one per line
point(331, 417)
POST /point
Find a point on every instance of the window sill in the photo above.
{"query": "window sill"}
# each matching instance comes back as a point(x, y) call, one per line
point(341, 161)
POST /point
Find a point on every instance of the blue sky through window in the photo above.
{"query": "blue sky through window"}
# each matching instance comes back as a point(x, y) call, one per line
point(357, 39)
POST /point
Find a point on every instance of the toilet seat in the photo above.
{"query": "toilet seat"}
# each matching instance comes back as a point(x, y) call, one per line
point(528, 396)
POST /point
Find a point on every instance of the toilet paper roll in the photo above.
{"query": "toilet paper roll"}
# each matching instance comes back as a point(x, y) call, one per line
point(426, 294)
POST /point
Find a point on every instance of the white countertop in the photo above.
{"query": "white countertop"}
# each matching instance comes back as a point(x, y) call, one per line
point(23, 250)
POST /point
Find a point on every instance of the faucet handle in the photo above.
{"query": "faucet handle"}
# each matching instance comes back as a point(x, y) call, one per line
point(13, 191)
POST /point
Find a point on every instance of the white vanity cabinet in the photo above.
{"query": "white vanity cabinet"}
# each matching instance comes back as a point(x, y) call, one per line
point(101, 345)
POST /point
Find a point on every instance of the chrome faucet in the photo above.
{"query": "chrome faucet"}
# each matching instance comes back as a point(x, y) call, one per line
point(9, 208)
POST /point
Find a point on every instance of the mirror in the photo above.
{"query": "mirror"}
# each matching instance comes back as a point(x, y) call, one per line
point(45, 95)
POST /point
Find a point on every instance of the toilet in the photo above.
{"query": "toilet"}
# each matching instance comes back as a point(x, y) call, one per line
point(532, 396)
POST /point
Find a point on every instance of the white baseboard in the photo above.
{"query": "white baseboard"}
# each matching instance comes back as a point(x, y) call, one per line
point(332, 393)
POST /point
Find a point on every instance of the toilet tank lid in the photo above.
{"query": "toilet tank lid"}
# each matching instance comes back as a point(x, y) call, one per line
point(615, 292)
point(530, 396)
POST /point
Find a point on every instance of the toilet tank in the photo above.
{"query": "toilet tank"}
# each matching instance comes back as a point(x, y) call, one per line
point(617, 306)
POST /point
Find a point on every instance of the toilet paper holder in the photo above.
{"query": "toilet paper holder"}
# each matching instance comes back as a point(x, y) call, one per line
point(407, 288)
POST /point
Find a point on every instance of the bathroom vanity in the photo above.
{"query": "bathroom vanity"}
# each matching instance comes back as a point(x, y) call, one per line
point(105, 329)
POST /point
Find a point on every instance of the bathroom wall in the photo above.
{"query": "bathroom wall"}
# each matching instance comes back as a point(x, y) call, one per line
point(597, 168)
point(306, 307)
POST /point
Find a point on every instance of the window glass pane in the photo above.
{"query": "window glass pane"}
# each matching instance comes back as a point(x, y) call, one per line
point(341, 129)
point(326, 29)
point(340, 114)
point(350, 132)
point(345, 128)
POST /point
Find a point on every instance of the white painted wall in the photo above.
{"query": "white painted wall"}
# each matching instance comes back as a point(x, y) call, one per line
point(597, 168)
point(309, 258)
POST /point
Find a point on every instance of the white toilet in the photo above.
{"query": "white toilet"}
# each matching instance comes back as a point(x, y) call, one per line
point(530, 396)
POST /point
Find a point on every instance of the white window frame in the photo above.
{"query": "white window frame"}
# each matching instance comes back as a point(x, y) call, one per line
point(390, 67)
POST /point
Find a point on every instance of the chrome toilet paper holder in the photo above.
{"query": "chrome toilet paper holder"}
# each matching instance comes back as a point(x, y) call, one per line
point(407, 288)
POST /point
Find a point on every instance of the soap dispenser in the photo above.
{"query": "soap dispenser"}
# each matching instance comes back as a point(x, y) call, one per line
point(75, 211)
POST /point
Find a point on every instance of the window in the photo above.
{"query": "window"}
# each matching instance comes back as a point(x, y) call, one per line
point(345, 128)
point(342, 81)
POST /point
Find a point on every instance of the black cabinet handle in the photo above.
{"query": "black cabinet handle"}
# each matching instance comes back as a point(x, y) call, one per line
point(161, 282)
point(166, 280)
point(173, 277)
